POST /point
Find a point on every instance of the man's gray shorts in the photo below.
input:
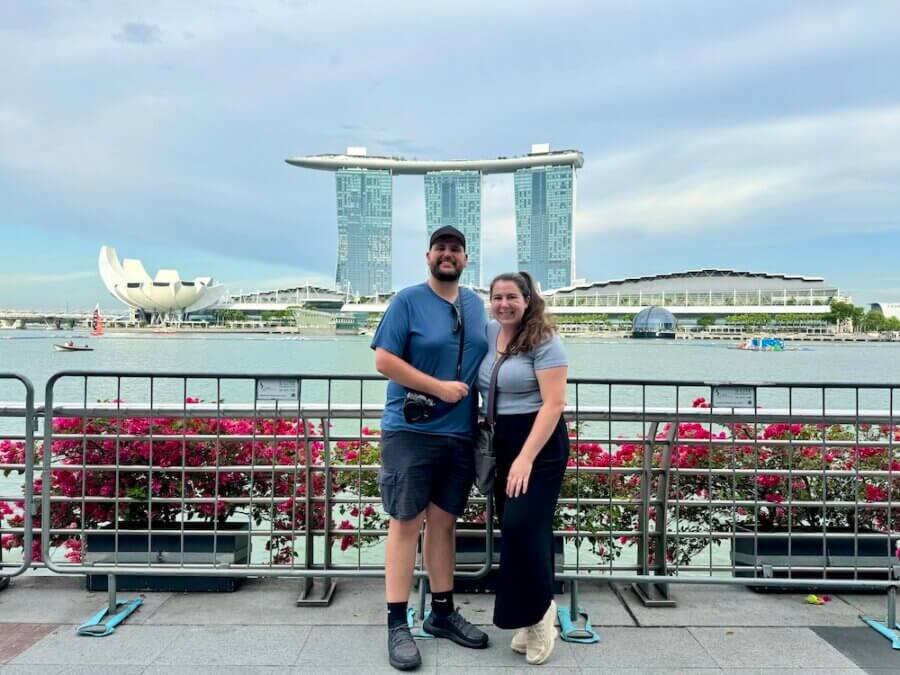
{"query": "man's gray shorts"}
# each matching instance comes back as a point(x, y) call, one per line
point(418, 469)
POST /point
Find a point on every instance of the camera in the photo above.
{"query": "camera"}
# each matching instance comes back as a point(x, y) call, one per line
point(417, 407)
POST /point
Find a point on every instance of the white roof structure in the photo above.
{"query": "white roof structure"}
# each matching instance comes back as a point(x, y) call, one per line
point(166, 293)
point(356, 158)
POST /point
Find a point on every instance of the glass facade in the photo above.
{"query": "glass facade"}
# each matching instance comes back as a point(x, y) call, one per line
point(364, 216)
point(454, 198)
point(545, 203)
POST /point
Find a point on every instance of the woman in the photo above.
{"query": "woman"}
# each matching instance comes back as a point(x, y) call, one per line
point(532, 447)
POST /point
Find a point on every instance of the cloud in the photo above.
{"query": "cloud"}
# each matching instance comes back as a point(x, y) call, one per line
point(137, 33)
point(713, 178)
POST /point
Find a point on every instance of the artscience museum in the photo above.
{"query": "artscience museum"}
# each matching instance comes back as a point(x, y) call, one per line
point(166, 298)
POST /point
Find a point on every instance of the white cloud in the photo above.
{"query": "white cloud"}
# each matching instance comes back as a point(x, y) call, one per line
point(710, 179)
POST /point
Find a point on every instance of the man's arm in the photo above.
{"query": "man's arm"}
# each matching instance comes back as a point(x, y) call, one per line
point(396, 369)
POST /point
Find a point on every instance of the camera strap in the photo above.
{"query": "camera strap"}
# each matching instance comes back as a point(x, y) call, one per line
point(462, 336)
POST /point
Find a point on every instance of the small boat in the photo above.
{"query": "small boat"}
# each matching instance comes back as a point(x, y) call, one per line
point(762, 344)
point(72, 347)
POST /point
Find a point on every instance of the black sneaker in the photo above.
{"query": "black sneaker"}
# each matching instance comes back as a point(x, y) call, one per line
point(454, 626)
point(402, 651)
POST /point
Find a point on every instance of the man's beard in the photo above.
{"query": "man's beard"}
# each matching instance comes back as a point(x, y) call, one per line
point(440, 275)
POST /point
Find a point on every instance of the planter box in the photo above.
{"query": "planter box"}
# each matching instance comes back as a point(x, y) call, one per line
point(839, 549)
point(163, 545)
point(470, 551)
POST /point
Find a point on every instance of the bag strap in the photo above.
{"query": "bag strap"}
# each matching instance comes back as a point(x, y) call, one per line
point(462, 337)
point(491, 407)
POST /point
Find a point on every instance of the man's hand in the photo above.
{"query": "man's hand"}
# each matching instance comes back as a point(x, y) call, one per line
point(452, 392)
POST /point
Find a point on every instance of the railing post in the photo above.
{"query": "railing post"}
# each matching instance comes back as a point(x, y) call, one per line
point(653, 594)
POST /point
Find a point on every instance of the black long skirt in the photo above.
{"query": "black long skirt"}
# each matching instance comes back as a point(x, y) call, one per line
point(525, 584)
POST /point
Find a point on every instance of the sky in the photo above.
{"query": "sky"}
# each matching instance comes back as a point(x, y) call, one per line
point(759, 136)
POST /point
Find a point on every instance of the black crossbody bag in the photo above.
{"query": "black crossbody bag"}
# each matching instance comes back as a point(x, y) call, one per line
point(419, 407)
point(485, 457)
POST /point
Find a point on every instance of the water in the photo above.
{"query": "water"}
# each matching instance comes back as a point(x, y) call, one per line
point(31, 353)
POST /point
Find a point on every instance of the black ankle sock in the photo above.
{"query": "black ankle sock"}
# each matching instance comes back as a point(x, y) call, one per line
point(396, 613)
point(442, 603)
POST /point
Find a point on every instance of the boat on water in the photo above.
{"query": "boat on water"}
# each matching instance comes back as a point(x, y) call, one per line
point(72, 347)
point(762, 344)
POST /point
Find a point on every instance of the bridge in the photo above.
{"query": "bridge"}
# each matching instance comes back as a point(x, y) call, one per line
point(19, 318)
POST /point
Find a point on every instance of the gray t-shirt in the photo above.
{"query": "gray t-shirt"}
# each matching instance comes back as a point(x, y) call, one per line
point(518, 390)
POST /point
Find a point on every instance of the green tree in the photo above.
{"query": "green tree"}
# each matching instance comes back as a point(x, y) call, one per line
point(706, 321)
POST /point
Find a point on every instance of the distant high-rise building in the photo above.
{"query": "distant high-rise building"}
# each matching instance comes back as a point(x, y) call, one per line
point(454, 198)
point(364, 210)
point(545, 202)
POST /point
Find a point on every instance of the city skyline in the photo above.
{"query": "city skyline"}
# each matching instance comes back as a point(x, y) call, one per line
point(763, 137)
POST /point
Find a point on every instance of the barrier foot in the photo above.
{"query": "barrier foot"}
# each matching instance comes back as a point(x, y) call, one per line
point(883, 628)
point(887, 628)
point(420, 633)
point(308, 598)
point(105, 621)
point(4, 582)
point(653, 594)
point(572, 632)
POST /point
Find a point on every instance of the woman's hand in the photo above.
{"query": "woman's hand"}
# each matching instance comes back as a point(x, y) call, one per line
point(519, 473)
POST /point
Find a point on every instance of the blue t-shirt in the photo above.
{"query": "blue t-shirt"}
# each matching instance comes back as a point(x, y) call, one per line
point(418, 327)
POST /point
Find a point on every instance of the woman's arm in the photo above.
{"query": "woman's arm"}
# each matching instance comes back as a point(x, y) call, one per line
point(552, 382)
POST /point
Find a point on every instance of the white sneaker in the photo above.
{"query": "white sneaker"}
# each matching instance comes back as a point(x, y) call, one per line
point(519, 642)
point(541, 637)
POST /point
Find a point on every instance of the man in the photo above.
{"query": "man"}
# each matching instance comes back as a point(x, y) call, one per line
point(426, 450)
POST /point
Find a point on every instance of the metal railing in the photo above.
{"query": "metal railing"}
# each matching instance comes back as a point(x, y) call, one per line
point(669, 481)
point(16, 458)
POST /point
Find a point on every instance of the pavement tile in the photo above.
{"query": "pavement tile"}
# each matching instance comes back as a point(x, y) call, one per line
point(354, 646)
point(507, 670)
point(798, 648)
point(64, 600)
point(93, 669)
point(649, 648)
point(651, 671)
point(803, 671)
point(736, 606)
point(870, 604)
point(129, 645)
point(356, 602)
point(356, 670)
point(235, 646)
point(15, 638)
point(220, 670)
point(498, 653)
point(864, 646)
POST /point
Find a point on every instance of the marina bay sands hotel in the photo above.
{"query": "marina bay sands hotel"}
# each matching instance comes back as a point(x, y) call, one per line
point(544, 201)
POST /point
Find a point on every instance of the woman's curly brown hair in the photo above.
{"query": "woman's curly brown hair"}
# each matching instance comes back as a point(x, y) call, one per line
point(536, 326)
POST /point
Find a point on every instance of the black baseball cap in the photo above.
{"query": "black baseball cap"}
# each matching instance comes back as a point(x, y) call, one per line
point(447, 231)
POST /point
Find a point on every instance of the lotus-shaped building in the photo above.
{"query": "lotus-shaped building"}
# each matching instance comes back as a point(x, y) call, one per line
point(166, 297)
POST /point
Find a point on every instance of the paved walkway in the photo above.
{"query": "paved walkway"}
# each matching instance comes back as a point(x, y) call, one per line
point(259, 629)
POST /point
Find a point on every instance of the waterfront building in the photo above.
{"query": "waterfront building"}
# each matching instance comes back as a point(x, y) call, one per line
point(701, 292)
point(545, 204)
point(654, 322)
point(364, 218)
point(166, 298)
point(453, 191)
point(454, 198)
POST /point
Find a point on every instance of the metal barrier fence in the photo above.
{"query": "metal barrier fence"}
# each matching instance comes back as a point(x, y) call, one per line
point(17, 425)
point(776, 485)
